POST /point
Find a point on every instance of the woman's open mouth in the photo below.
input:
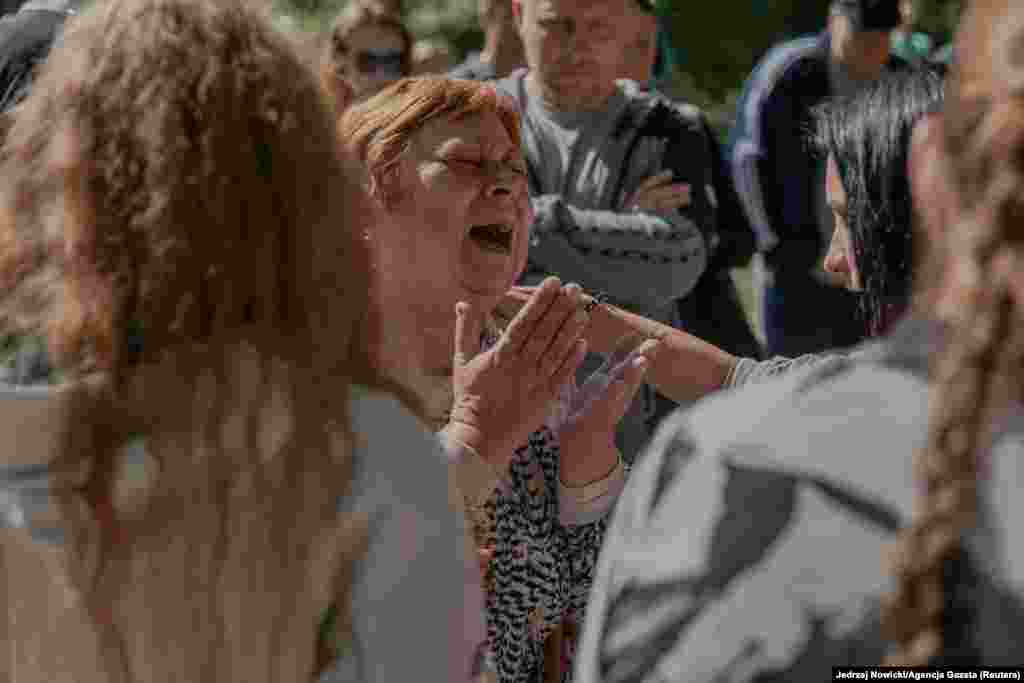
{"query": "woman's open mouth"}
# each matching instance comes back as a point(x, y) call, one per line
point(493, 237)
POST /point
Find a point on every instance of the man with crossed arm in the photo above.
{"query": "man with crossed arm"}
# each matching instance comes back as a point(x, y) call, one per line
point(613, 214)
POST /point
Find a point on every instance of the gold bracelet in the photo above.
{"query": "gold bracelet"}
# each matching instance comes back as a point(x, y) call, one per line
point(459, 443)
point(598, 299)
point(591, 491)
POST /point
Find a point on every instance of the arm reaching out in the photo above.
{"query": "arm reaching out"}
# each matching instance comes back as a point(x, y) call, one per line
point(684, 368)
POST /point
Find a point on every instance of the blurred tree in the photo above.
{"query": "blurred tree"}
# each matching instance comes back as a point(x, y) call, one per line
point(453, 21)
point(939, 17)
point(718, 45)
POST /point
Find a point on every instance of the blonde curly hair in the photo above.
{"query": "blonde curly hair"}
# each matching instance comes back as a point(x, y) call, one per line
point(199, 280)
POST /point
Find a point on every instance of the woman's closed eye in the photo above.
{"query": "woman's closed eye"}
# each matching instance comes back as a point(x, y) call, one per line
point(458, 164)
point(516, 166)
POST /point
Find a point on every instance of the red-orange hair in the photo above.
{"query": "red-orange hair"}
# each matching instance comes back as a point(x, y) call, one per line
point(379, 130)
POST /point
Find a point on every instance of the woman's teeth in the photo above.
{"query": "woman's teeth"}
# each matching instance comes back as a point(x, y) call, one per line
point(496, 237)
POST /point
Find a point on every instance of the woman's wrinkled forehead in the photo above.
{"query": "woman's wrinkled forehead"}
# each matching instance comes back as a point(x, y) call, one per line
point(483, 129)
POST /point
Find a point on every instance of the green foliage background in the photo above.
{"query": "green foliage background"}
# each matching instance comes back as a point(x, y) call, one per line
point(717, 43)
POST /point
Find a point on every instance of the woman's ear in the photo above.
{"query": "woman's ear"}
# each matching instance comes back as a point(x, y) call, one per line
point(385, 187)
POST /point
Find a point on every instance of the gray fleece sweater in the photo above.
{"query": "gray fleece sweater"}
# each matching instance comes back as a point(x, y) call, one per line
point(750, 542)
point(583, 169)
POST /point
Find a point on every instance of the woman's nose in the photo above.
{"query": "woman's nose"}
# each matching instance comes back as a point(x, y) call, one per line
point(835, 259)
point(503, 181)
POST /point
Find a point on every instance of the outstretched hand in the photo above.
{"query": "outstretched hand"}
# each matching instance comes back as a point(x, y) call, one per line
point(587, 440)
point(503, 394)
point(603, 333)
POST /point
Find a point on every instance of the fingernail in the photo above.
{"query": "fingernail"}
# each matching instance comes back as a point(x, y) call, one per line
point(460, 308)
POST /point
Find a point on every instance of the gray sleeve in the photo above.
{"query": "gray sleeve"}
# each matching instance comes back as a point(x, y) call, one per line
point(750, 371)
point(656, 257)
point(417, 592)
point(753, 584)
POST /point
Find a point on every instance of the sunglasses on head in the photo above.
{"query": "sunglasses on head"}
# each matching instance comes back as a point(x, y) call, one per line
point(383, 62)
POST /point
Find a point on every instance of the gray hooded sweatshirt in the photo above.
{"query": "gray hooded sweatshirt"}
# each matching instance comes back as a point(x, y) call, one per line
point(750, 541)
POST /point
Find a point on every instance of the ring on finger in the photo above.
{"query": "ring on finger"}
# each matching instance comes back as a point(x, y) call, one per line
point(598, 299)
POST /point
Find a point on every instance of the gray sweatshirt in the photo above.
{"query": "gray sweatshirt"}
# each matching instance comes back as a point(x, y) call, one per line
point(67, 6)
point(416, 601)
point(750, 541)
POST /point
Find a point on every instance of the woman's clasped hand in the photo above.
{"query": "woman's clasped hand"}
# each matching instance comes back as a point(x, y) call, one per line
point(504, 393)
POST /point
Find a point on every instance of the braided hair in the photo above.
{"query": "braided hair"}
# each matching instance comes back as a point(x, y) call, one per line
point(928, 616)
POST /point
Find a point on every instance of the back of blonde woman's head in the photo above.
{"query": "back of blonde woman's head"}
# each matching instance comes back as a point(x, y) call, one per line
point(931, 613)
point(212, 175)
point(198, 278)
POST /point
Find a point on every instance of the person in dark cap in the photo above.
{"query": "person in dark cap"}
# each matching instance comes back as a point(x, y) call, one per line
point(25, 40)
point(781, 183)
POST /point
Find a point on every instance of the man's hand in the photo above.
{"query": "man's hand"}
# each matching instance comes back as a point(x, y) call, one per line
point(658, 194)
point(504, 394)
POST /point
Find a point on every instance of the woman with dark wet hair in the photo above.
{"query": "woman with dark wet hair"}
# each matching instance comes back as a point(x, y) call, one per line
point(865, 138)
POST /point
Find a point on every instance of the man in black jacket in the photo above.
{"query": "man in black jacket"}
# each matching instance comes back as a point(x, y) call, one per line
point(712, 310)
point(782, 184)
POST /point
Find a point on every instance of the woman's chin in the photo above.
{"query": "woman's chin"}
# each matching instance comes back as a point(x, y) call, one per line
point(485, 293)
